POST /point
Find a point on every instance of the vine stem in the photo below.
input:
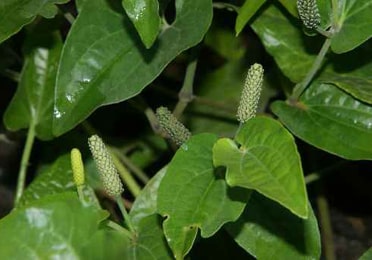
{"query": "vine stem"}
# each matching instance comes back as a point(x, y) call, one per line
point(24, 162)
point(186, 92)
point(300, 87)
point(126, 216)
point(120, 229)
point(326, 227)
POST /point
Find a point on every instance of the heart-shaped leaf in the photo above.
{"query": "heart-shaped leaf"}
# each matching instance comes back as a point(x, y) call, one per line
point(268, 231)
point(103, 61)
point(267, 161)
point(14, 14)
point(331, 120)
point(32, 105)
point(191, 195)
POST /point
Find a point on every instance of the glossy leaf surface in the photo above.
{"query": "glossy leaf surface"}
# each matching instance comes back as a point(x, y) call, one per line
point(268, 231)
point(14, 14)
point(56, 178)
point(103, 61)
point(32, 105)
point(56, 226)
point(331, 120)
point(191, 195)
point(246, 12)
point(144, 14)
point(266, 160)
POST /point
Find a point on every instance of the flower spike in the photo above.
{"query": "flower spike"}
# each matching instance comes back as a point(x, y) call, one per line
point(309, 13)
point(77, 167)
point(251, 93)
point(105, 165)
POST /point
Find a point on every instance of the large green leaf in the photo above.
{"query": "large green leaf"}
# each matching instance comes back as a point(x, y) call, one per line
point(14, 14)
point(56, 226)
point(331, 120)
point(192, 195)
point(367, 255)
point(32, 105)
point(146, 203)
point(56, 178)
point(104, 62)
point(267, 161)
point(144, 14)
point(267, 231)
point(284, 40)
point(355, 21)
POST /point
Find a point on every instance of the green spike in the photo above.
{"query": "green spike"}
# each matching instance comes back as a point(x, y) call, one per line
point(77, 167)
point(105, 165)
point(175, 130)
point(309, 13)
point(251, 93)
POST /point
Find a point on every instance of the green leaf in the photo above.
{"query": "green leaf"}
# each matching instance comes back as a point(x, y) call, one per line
point(267, 161)
point(56, 226)
point(56, 178)
point(192, 195)
point(32, 105)
point(146, 203)
point(285, 42)
point(246, 12)
point(144, 14)
point(331, 120)
point(150, 242)
point(267, 231)
point(14, 14)
point(367, 255)
point(291, 6)
point(355, 21)
point(103, 62)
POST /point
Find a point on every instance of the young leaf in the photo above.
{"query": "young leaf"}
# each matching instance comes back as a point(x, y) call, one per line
point(268, 231)
point(191, 195)
point(56, 226)
point(14, 14)
point(144, 14)
point(103, 62)
point(266, 161)
point(331, 120)
point(32, 105)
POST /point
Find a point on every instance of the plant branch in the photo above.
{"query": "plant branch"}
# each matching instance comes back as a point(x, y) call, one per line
point(326, 227)
point(230, 7)
point(126, 216)
point(186, 92)
point(120, 229)
point(137, 171)
point(300, 87)
point(25, 162)
point(68, 16)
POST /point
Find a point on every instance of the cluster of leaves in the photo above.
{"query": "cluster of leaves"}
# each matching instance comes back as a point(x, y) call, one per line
point(250, 186)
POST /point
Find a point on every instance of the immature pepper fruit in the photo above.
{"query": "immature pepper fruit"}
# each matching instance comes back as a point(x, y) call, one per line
point(105, 165)
point(175, 130)
point(77, 167)
point(309, 13)
point(251, 93)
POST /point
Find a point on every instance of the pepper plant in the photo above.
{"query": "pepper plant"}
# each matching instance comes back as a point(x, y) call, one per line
point(228, 182)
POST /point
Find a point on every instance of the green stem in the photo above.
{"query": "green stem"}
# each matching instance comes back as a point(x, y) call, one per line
point(24, 162)
point(137, 171)
point(186, 93)
point(315, 176)
point(80, 191)
point(120, 229)
point(127, 178)
point(68, 16)
point(300, 87)
point(125, 214)
point(326, 227)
